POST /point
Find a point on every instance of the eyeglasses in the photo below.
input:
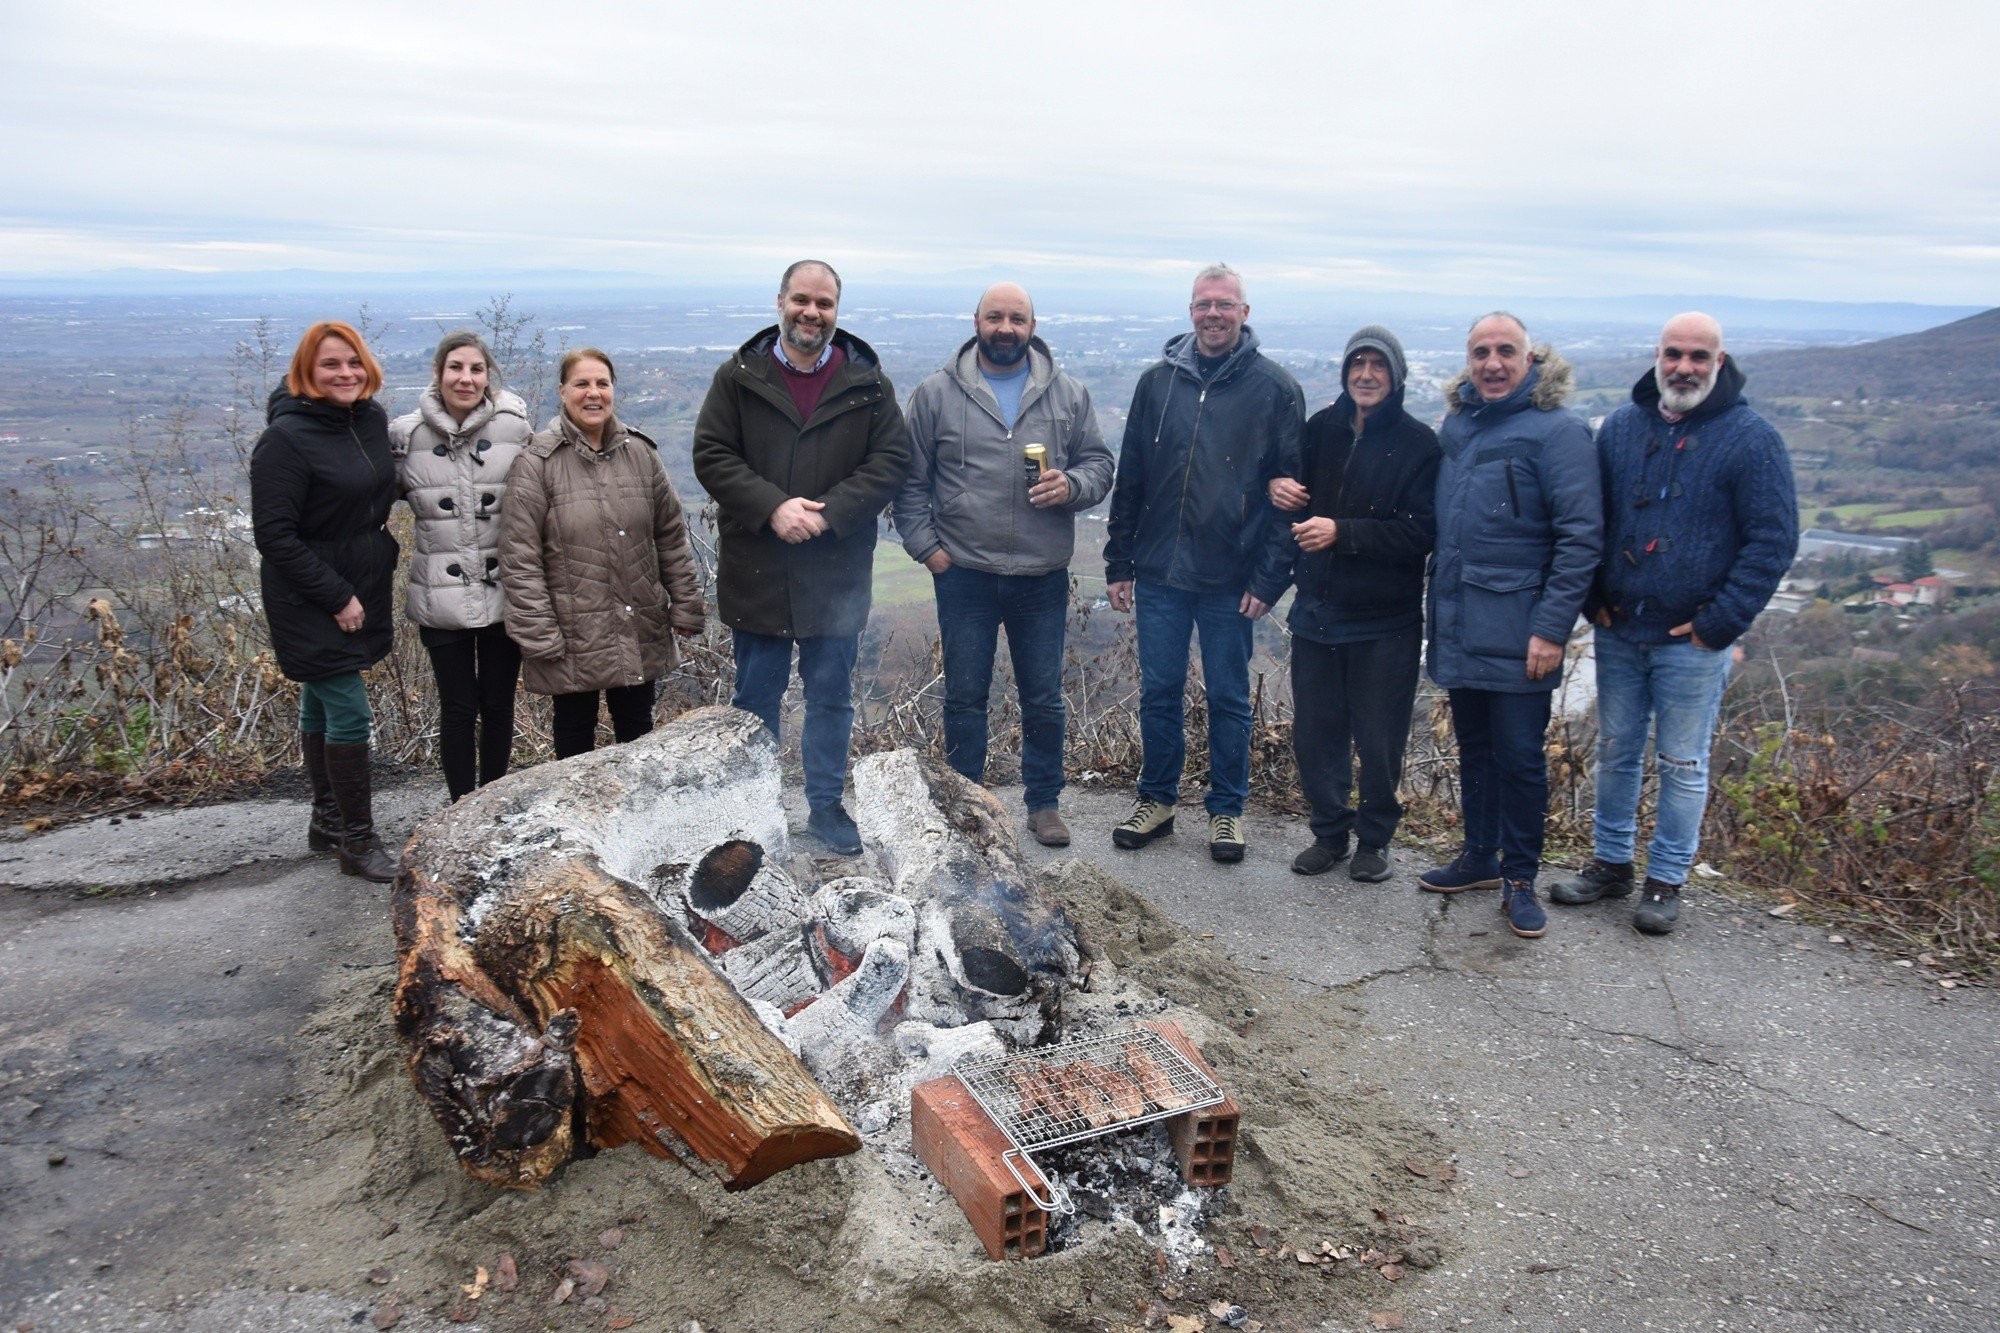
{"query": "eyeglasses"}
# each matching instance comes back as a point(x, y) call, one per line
point(1215, 307)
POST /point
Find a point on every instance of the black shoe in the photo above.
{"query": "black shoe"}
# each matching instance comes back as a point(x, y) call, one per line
point(323, 827)
point(1319, 858)
point(1659, 908)
point(1599, 879)
point(830, 824)
point(1523, 914)
point(1370, 865)
point(360, 851)
point(1462, 872)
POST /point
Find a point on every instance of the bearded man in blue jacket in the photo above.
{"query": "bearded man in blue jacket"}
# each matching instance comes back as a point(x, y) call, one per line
point(1701, 522)
point(1520, 525)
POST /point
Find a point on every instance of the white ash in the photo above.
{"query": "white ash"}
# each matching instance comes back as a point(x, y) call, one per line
point(1130, 1178)
point(840, 1032)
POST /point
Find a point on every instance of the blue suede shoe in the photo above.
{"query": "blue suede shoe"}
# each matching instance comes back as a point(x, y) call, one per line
point(1467, 870)
point(1525, 916)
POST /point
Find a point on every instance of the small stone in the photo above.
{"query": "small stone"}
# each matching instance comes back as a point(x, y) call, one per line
point(58, 1158)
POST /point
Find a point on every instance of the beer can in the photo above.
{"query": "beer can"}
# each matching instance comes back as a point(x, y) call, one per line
point(1037, 456)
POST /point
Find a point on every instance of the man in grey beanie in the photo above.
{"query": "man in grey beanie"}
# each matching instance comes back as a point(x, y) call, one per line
point(1364, 500)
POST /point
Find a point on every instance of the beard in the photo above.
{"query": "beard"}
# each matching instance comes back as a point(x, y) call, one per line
point(1006, 355)
point(811, 342)
point(1682, 399)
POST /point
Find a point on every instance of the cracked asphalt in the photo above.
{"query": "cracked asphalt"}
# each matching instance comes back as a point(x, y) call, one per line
point(1739, 1126)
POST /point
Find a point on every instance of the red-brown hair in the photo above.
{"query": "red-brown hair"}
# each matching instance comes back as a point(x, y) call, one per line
point(299, 375)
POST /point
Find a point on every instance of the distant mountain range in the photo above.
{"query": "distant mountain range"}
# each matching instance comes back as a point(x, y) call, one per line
point(1956, 363)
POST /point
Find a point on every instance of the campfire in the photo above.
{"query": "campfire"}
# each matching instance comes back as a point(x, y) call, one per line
point(622, 948)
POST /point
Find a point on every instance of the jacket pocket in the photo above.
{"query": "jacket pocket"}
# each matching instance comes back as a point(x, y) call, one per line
point(1499, 605)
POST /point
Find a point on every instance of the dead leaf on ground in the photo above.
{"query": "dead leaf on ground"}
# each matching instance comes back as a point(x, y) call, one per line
point(381, 1277)
point(564, 1290)
point(621, 1320)
point(589, 1274)
point(1783, 909)
point(1263, 1235)
point(463, 1314)
point(1185, 1323)
point(612, 1239)
point(387, 1315)
point(1394, 1272)
point(1224, 1257)
point(477, 1287)
point(505, 1274)
point(1382, 1319)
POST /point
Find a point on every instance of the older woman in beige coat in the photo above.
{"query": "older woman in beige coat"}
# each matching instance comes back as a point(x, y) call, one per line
point(594, 563)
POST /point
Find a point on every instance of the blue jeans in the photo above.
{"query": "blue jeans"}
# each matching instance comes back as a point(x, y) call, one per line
point(1168, 618)
point(1673, 690)
point(1503, 776)
point(826, 668)
point(972, 606)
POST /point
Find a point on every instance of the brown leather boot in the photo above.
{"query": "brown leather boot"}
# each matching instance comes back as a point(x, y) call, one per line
point(361, 852)
point(323, 828)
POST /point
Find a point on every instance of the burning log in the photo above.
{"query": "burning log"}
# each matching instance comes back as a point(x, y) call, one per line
point(551, 988)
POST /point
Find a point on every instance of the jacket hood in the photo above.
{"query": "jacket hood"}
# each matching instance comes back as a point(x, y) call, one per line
point(963, 365)
point(562, 431)
point(762, 341)
point(498, 402)
point(1551, 380)
point(1384, 416)
point(1180, 353)
point(1728, 392)
point(284, 403)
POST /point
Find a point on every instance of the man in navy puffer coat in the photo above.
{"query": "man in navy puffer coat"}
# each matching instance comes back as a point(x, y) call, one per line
point(1701, 521)
point(1520, 525)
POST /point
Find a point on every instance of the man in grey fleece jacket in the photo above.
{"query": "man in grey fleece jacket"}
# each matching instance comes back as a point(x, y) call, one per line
point(998, 542)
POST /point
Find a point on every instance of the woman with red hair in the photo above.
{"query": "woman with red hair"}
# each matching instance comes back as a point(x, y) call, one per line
point(322, 479)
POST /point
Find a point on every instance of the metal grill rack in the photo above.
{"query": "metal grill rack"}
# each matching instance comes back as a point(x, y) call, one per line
point(1080, 1089)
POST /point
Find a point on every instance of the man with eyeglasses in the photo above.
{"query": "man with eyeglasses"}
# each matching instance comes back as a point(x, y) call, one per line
point(1210, 425)
point(1701, 522)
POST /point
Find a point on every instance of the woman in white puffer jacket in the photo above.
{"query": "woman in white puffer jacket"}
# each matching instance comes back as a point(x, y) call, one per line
point(452, 458)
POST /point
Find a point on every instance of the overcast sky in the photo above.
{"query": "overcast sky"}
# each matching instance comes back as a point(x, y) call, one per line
point(1820, 150)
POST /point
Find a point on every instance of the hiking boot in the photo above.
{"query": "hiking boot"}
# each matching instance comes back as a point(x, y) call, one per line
point(830, 824)
point(323, 827)
point(1149, 819)
point(1370, 865)
point(1048, 827)
point(1464, 871)
point(1599, 879)
point(1225, 837)
point(360, 851)
point(1659, 908)
point(1525, 916)
point(1319, 858)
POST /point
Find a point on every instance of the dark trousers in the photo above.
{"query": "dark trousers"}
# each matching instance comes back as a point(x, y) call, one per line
point(1352, 701)
point(1503, 776)
point(575, 723)
point(972, 605)
point(475, 674)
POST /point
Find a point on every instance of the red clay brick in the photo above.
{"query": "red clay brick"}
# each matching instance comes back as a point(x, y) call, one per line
point(961, 1145)
point(1205, 1140)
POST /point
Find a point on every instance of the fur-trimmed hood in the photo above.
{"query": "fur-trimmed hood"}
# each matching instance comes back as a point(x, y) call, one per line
point(1554, 383)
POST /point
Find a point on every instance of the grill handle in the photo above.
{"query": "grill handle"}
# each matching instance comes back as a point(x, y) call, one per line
point(1058, 1200)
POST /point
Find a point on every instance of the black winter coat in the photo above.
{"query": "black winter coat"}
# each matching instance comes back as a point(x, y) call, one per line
point(1189, 507)
point(752, 453)
point(322, 479)
point(1381, 492)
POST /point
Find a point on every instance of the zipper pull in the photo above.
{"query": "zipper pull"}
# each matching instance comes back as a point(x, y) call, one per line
point(1204, 397)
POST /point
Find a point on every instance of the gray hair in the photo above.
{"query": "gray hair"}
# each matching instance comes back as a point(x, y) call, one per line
point(456, 339)
point(1508, 315)
point(1222, 273)
point(785, 283)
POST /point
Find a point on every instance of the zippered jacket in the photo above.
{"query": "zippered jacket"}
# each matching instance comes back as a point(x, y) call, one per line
point(1520, 527)
point(967, 488)
point(1189, 508)
point(1701, 517)
point(453, 474)
point(322, 480)
point(752, 453)
point(595, 562)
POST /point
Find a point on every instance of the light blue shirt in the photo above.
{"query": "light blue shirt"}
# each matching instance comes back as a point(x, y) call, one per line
point(1007, 389)
point(825, 354)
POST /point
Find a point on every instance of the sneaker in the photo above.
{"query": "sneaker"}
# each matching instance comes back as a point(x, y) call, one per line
point(1149, 819)
point(1319, 858)
point(1048, 827)
point(1659, 908)
point(1225, 837)
point(1599, 879)
point(1370, 865)
point(831, 825)
point(1525, 916)
point(1465, 871)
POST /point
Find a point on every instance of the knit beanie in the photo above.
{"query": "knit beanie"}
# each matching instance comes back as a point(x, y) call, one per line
point(1379, 339)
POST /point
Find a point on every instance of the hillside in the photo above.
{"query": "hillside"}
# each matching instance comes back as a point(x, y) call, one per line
point(1956, 363)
